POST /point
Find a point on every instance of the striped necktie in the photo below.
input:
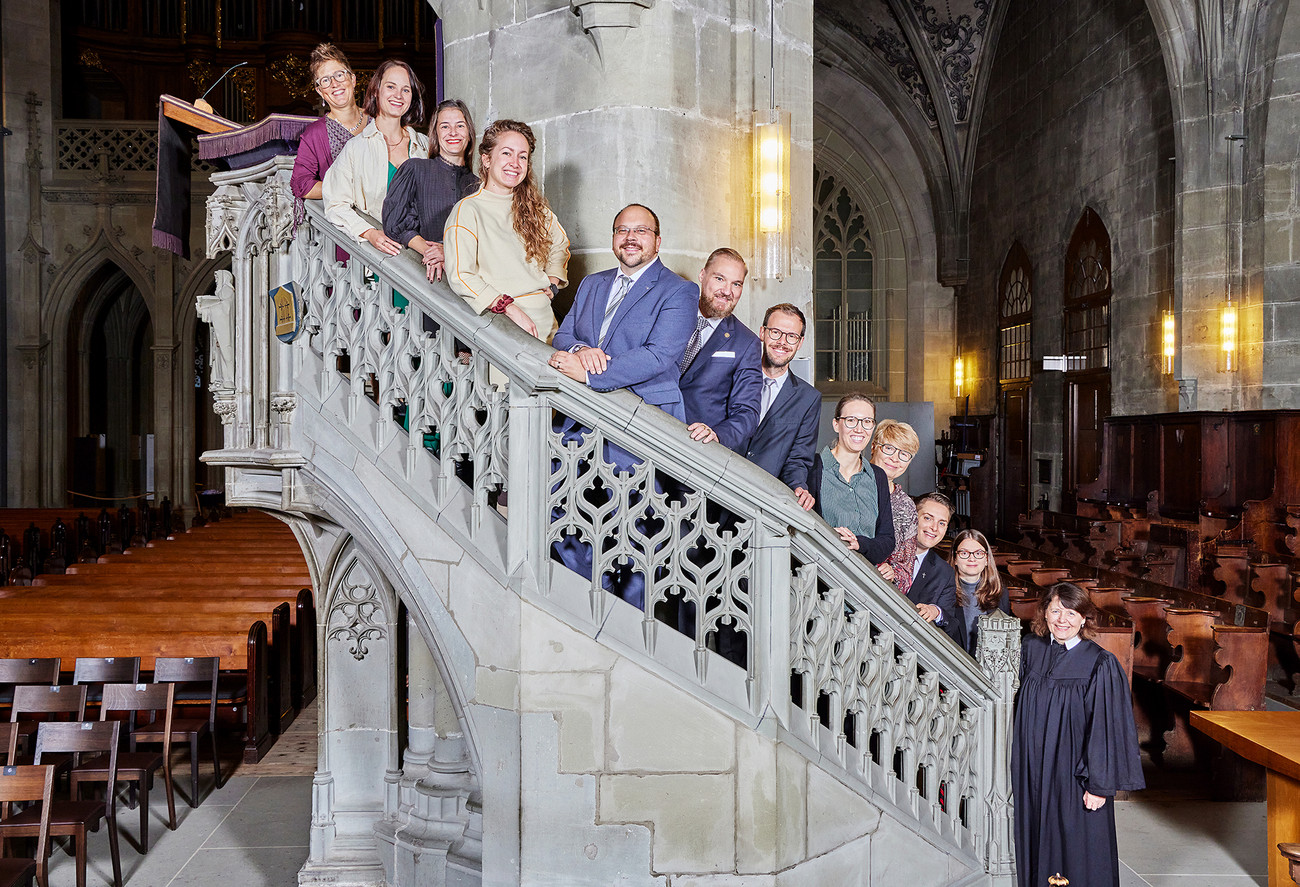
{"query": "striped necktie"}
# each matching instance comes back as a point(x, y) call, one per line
point(624, 284)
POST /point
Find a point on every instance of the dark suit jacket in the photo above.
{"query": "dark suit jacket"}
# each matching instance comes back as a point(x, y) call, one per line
point(724, 383)
point(785, 441)
point(878, 548)
point(646, 338)
point(936, 583)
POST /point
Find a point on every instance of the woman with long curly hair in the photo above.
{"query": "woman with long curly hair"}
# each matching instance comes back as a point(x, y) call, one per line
point(979, 587)
point(505, 250)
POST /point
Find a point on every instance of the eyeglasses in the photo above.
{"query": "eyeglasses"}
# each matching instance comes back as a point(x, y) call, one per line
point(777, 335)
point(336, 77)
point(979, 555)
point(856, 421)
point(641, 231)
point(891, 450)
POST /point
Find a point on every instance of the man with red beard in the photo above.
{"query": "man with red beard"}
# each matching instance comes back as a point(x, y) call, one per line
point(722, 382)
point(789, 411)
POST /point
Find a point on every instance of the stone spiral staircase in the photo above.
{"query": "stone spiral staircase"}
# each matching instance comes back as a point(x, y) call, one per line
point(487, 716)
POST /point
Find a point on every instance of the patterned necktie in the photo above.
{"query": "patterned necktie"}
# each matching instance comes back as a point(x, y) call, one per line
point(769, 386)
point(624, 284)
point(695, 344)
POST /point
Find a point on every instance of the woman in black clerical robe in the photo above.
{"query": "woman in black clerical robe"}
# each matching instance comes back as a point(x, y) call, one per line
point(1075, 746)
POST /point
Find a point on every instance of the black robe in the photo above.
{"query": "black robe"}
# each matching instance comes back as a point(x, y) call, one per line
point(1074, 732)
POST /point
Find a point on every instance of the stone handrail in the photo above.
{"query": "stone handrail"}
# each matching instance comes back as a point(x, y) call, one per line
point(877, 694)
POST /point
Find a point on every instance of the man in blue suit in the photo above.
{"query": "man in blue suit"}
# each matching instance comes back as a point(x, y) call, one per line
point(629, 325)
point(789, 412)
point(722, 379)
point(627, 329)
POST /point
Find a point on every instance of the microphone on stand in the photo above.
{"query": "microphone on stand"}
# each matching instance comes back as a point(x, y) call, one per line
point(201, 102)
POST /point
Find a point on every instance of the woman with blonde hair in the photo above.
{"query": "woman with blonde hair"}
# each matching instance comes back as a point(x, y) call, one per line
point(505, 250)
point(979, 587)
point(892, 448)
point(358, 181)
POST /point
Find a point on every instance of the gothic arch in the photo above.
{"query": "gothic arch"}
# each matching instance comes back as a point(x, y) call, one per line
point(882, 165)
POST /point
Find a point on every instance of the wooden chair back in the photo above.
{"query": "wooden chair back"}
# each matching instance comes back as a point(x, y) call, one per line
point(82, 737)
point(155, 700)
point(31, 783)
point(198, 677)
point(29, 671)
point(42, 700)
point(106, 670)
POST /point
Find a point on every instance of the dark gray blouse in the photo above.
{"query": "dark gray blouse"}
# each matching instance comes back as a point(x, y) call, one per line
point(420, 198)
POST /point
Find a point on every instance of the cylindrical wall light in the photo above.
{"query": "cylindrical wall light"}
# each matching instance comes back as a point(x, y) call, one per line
point(772, 220)
point(958, 375)
point(1228, 336)
point(1167, 342)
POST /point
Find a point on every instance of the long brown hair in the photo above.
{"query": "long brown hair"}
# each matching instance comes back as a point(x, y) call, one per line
point(989, 590)
point(414, 115)
point(454, 105)
point(529, 210)
point(1073, 598)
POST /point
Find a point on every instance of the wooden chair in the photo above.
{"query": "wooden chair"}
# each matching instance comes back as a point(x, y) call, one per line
point(201, 673)
point(23, 671)
point(96, 671)
point(41, 700)
point(74, 818)
point(136, 767)
point(27, 784)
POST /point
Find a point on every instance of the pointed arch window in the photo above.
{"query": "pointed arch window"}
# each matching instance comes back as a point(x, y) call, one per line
point(1016, 306)
point(1087, 294)
point(848, 320)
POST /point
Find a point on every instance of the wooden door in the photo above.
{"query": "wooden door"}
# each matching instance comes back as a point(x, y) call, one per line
point(1087, 405)
point(1013, 457)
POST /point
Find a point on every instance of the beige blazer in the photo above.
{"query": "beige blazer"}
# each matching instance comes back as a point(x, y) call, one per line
point(358, 179)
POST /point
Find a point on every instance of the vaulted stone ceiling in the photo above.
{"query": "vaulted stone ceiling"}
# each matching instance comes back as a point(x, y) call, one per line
point(909, 36)
point(932, 56)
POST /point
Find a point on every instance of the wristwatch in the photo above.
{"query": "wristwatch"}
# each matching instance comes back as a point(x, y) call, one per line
point(555, 291)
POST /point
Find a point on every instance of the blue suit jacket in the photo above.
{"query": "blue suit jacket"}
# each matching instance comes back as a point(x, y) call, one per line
point(724, 384)
point(785, 441)
point(646, 338)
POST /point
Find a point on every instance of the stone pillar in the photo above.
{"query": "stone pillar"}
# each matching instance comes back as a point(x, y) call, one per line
point(999, 658)
point(647, 102)
point(422, 698)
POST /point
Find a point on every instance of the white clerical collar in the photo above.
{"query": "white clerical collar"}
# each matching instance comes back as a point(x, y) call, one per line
point(1070, 644)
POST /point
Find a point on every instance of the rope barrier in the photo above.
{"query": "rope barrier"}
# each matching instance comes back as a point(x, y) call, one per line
point(108, 498)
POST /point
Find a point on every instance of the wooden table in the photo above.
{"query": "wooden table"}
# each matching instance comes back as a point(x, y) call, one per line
point(1272, 739)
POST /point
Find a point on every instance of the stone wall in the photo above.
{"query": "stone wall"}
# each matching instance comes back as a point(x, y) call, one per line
point(658, 112)
point(1078, 114)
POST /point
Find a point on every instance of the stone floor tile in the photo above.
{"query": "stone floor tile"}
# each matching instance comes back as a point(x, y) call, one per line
point(247, 867)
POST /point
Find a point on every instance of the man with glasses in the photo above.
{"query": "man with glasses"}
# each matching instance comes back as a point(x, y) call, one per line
point(721, 376)
point(629, 325)
point(789, 410)
point(627, 329)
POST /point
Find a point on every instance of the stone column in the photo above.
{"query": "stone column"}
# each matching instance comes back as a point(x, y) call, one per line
point(422, 684)
point(647, 102)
